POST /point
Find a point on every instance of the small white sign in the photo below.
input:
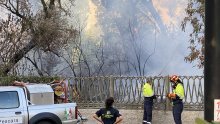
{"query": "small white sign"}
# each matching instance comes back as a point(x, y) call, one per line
point(217, 110)
point(11, 120)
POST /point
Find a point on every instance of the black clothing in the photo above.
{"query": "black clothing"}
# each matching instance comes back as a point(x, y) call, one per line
point(108, 115)
point(177, 110)
point(148, 107)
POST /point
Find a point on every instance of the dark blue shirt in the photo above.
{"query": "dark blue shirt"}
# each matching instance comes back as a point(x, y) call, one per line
point(109, 115)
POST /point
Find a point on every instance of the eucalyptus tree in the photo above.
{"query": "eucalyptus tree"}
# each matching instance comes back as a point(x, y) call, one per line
point(24, 27)
point(196, 17)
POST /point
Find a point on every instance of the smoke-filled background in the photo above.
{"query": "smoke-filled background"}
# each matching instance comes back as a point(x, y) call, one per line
point(146, 32)
point(123, 37)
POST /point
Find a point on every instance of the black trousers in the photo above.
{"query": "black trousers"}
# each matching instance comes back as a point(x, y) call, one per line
point(148, 107)
point(177, 111)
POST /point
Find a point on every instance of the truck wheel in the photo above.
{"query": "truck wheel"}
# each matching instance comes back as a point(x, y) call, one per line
point(44, 122)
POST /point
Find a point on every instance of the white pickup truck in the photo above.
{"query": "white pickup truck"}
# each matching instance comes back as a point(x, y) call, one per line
point(15, 108)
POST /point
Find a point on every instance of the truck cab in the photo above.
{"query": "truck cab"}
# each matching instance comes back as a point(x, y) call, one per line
point(16, 108)
point(13, 106)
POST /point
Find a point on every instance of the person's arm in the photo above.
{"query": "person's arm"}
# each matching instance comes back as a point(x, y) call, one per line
point(118, 120)
point(97, 118)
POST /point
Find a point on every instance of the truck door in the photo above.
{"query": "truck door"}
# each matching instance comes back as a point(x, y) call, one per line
point(12, 108)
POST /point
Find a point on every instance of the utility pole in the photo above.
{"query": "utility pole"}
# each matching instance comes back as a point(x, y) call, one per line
point(212, 57)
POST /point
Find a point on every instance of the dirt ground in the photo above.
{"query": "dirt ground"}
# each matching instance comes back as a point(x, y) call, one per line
point(135, 116)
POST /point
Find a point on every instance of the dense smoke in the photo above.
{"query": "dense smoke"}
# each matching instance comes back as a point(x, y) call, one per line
point(147, 34)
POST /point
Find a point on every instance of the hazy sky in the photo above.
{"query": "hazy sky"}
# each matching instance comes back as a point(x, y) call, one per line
point(172, 13)
point(170, 53)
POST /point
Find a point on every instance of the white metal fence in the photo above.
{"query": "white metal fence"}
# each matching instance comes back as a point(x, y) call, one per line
point(91, 92)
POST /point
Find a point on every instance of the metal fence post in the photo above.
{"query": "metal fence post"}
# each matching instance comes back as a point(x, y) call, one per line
point(111, 86)
point(167, 90)
point(212, 59)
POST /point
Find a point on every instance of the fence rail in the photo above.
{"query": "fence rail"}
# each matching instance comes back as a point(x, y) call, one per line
point(91, 92)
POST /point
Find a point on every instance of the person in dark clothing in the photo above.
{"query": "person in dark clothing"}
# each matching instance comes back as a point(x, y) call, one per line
point(148, 94)
point(177, 97)
point(109, 114)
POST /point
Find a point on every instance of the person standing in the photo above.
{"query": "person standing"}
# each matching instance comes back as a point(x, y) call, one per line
point(177, 98)
point(109, 114)
point(148, 94)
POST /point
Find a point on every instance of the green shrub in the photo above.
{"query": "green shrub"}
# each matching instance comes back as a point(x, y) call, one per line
point(7, 81)
point(201, 121)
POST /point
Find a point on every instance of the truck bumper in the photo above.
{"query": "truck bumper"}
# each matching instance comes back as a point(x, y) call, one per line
point(71, 122)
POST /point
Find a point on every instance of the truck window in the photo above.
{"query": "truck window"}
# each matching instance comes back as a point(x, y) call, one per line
point(9, 99)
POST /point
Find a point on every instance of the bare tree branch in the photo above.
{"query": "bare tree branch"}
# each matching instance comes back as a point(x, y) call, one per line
point(35, 65)
point(45, 7)
point(19, 55)
point(52, 4)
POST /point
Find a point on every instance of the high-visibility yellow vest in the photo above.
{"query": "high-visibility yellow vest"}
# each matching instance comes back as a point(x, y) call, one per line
point(147, 90)
point(179, 90)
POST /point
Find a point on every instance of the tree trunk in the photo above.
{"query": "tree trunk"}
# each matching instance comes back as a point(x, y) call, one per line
point(18, 56)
